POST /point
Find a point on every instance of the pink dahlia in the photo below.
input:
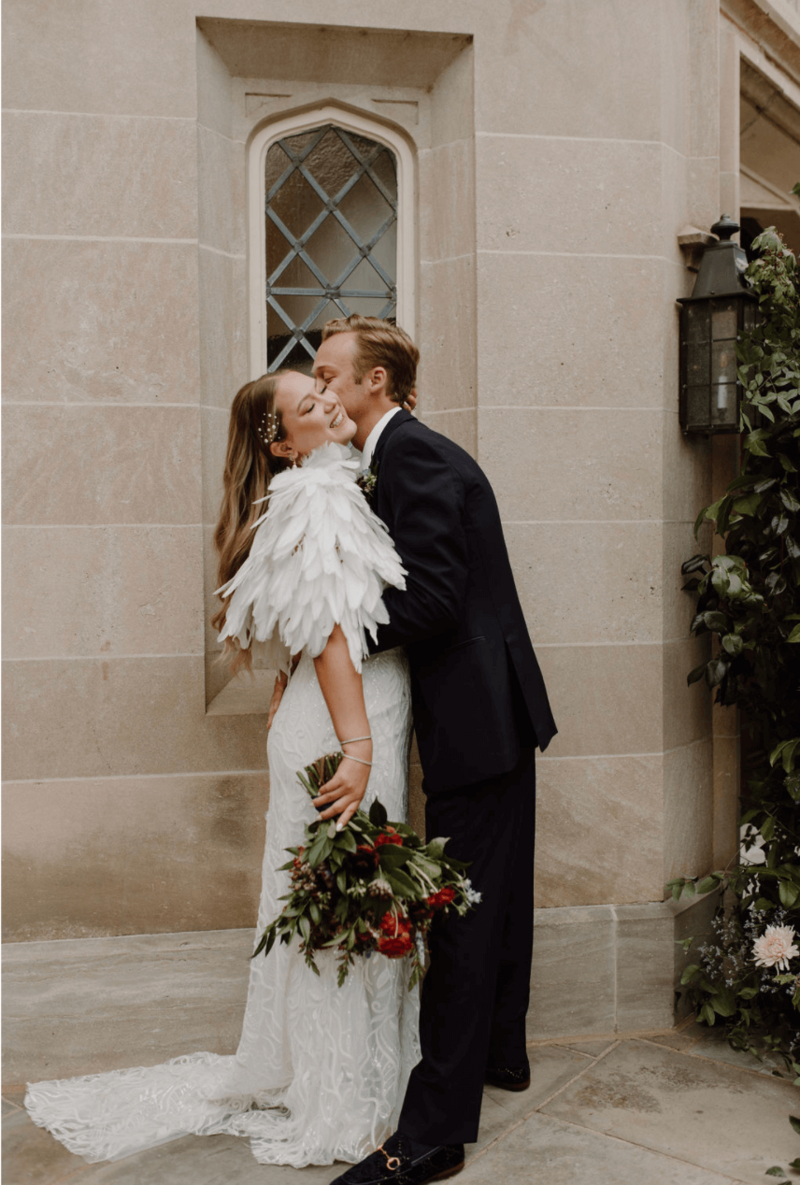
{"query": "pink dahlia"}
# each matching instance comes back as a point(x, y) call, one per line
point(776, 947)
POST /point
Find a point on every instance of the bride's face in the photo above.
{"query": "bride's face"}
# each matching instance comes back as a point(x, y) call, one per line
point(310, 417)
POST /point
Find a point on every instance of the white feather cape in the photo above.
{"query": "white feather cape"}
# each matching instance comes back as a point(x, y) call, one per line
point(319, 557)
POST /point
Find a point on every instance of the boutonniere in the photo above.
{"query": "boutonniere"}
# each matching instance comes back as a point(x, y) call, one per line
point(367, 480)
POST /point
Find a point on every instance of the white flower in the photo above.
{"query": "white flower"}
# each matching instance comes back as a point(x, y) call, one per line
point(472, 895)
point(776, 947)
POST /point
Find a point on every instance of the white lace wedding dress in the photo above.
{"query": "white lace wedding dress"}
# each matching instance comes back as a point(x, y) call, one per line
point(321, 1071)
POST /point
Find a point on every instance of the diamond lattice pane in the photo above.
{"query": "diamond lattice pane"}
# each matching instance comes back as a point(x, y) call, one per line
point(334, 195)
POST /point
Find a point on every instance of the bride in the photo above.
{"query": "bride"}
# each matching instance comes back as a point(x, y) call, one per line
point(321, 1071)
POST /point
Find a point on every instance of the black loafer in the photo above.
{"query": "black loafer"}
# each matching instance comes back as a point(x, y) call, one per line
point(509, 1078)
point(399, 1161)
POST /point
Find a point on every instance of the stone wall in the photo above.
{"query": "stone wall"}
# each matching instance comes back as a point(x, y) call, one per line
point(560, 149)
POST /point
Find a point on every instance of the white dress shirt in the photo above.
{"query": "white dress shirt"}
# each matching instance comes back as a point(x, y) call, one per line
point(368, 450)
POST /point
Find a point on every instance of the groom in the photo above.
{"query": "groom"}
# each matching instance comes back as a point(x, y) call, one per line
point(480, 710)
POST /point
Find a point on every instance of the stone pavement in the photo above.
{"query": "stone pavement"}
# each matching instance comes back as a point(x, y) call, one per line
point(672, 1108)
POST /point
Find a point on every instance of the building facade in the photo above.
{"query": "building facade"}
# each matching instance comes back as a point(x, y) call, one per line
point(532, 181)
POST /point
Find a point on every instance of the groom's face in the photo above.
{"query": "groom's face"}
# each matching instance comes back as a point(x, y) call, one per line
point(334, 365)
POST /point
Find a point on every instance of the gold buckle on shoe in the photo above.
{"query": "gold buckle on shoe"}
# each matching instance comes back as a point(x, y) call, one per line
point(392, 1162)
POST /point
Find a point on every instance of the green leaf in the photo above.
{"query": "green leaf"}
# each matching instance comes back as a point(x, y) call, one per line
point(377, 814)
point(689, 973)
point(795, 1122)
point(788, 893)
point(762, 904)
point(794, 636)
point(305, 927)
point(392, 856)
point(733, 644)
point(707, 1014)
point(403, 885)
point(768, 827)
point(789, 500)
point(775, 1171)
point(697, 673)
point(709, 883)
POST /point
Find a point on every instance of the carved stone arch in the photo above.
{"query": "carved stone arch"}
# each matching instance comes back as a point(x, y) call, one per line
point(350, 119)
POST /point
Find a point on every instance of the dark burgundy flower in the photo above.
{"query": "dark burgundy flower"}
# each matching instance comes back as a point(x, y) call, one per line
point(364, 860)
point(442, 898)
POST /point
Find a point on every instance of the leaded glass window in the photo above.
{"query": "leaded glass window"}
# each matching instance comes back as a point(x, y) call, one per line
point(331, 237)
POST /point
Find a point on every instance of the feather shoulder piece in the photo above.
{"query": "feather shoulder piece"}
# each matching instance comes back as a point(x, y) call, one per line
point(320, 557)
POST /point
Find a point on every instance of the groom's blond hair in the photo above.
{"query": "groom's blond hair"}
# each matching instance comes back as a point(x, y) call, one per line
point(380, 343)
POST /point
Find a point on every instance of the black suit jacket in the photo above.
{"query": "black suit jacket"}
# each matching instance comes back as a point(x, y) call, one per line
point(474, 676)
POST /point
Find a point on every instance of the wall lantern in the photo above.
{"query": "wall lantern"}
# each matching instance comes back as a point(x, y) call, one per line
point(720, 307)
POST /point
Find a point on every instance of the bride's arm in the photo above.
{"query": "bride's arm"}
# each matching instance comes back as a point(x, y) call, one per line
point(343, 692)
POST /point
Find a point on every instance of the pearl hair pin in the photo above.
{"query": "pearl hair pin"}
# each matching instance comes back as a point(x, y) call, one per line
point(267, 428)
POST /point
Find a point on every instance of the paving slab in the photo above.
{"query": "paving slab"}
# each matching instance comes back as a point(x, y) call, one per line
point(32, 1157)
point(591, 1048)
point(710, 1114)
point(551, 1069)
point(544, 1149)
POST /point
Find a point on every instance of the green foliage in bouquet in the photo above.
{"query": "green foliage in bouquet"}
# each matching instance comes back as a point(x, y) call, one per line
point(749, 601)
point(373, 886)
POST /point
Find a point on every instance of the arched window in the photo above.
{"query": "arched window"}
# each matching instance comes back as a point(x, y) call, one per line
point(330, 224)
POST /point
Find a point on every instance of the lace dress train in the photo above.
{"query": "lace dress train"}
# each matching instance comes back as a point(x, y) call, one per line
point(321, 1071)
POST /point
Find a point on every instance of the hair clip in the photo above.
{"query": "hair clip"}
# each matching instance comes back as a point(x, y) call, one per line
point(267, 428)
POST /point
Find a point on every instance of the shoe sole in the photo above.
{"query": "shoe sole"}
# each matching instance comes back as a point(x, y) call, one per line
point(448, 1172)
point(509, 1086)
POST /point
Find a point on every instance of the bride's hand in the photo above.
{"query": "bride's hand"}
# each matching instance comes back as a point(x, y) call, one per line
point(342, 795)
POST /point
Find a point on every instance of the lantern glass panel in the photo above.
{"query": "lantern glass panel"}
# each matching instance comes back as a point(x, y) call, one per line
point(698, 361)
point(724, 322)
point(697, 322)
point(723, 362)
point(724, 404)
point(697, 408)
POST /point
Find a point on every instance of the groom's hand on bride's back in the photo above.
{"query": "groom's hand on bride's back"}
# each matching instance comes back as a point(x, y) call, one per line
point(411, 400)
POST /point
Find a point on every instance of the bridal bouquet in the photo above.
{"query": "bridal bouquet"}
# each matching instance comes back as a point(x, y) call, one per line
point(373, 886)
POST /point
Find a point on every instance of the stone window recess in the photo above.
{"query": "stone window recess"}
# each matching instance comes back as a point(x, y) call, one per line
point(330, 237)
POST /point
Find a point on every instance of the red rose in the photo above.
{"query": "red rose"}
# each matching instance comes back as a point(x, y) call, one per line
point(395, 948)
point(389, 835)
point(442, 898)
point(392, 924)
point(365, 859)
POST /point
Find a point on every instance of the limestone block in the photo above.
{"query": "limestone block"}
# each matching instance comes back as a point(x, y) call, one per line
point(106, 322)
point(686, 471)
point(105, 856)
point(595, 58)
point(645, 965)
point(459, 425)
point(608, 590)
point(586, 332)
point(121, 715)
point(214, 88)
point(102, 591)
point(599, 196)
point(131, 59)
point(566, 463)
point(573, 977)
point(214, 430)
point(221, 191)
point(447, 205)
point(223, 327)
point(606, 699)
point(587, 809)
point(688, 810)
point(679, 544)
point(100, 175)
point(154, 996)
point(102, 464)
point(446, 338)
point(688, 714)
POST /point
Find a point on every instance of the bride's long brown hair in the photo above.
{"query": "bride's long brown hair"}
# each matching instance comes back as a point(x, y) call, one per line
point(249, 468)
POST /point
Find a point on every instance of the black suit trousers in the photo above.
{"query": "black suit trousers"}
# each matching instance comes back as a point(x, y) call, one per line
point(475, 993)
